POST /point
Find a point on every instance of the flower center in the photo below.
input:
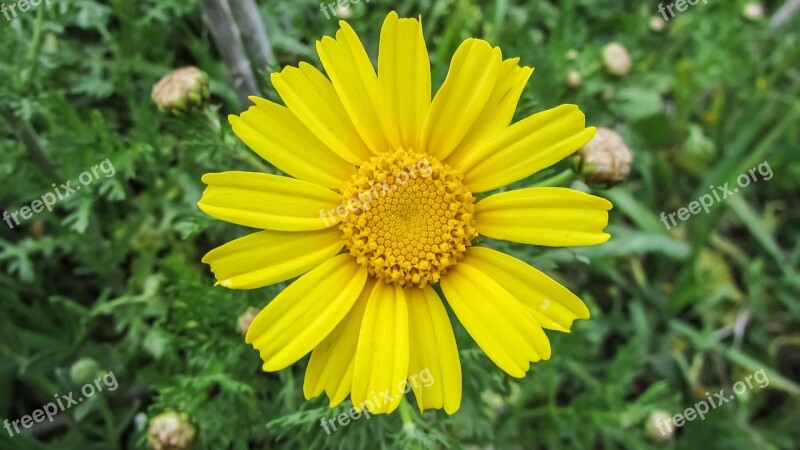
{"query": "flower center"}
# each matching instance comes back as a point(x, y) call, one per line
point(410, 218)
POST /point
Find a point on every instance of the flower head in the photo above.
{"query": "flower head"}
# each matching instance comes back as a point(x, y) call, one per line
point(385, 200)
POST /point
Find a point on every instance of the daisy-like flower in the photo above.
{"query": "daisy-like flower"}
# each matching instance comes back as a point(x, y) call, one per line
point(381, 206)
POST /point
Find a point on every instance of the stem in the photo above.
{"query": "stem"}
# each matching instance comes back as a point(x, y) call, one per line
point(559, 179)
point(245, 155)
point(30, 140)
point(405, 414)
point(219, 19)
point(784, 15)
point(248, 157)
point(253, 33)
point(33, 51)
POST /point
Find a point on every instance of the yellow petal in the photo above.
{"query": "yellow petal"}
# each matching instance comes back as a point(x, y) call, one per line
point(276, 134)
point(499, 109)
point(525, 148)
point(268, 257)
point(265, 201)
point(353, 76)
point(382, 355)
point(311, 97)
point(331, 366)
point(463, 96)
point(404, 79)
point(501, 325)
point(434, 370)
point(304, 313)
point(552, 305)
point(553, 217)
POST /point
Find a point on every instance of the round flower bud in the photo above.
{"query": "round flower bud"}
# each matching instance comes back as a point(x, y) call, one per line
point(170, 431)
point(659, 426)
point(181, 90)
point(753, 11)
point(572, 54)
point(246, 319)
point(343, 11)
point(616, 59)
point(605, 161)
point(85, 370)
point(657, 24)
point(573, 79)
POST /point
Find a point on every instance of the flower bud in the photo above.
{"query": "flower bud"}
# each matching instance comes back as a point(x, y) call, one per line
point(181, 90)
point(605, 161)
point(616, 59)
point(573, 79)
point(572, 54)
point(246, 319)
point(343, 11)
point(657, 24)
point(753, 11)
point(85, 370)
point(659, 426)
point(170, 431)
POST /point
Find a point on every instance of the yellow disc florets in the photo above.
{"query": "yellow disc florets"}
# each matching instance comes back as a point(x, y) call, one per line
point(409, 218)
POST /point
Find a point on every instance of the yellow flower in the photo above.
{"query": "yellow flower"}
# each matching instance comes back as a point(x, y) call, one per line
point(388, 175)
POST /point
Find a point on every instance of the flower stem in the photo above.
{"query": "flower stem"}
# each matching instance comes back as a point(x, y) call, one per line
point(559, 179)
point(228, 140)
point(405, 414)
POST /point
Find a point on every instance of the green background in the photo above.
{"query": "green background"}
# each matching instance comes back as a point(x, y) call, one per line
point(113, 275)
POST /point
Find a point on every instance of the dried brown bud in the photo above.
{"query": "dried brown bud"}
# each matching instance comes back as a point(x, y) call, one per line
point(181, 90)
point(604, 161)
point(170, 431)
point(246, 319)
point(659, 426)
point(343, 11)
point(616, 59)
point(753, 11)
point(657, 24)
point(573, 79)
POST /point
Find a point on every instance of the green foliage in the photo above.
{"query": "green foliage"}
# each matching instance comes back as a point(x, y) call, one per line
point(113, 273)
